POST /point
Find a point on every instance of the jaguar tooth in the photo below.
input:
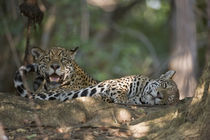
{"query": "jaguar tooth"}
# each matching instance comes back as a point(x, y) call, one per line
point(54, 78)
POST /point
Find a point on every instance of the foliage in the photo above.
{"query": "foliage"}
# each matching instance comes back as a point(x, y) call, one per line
point(136, 42)
point(121, 54)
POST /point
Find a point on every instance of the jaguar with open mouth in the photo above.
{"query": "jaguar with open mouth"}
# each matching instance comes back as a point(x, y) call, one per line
point(55, 74)
point(55, 68)
point(55, 79)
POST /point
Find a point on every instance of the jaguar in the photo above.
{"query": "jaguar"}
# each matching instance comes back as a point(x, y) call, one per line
point(55, 68)
point(133, 90)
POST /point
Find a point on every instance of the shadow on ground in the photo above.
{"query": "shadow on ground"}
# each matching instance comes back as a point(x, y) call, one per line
point(88, 118)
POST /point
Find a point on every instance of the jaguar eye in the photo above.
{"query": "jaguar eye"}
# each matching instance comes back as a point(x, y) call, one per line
point(47, 58)
point(64, 60)
point(164, 85)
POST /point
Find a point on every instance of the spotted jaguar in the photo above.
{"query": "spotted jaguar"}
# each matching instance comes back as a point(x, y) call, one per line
point(133, 90)
point(56, 68)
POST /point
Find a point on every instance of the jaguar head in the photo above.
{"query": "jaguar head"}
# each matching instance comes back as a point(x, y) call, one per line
point(167, 90)
point(55, 64)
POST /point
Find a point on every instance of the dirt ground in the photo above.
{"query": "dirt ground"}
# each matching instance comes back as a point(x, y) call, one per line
point(83, 118)
point(88, 118)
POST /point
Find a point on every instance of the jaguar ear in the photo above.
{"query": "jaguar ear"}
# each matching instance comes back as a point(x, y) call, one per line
point(73, 52)
point(36, 52)
point(168, 75)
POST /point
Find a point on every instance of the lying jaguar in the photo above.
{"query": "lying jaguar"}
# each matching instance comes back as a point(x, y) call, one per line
point(56, 68)
point(135, 90)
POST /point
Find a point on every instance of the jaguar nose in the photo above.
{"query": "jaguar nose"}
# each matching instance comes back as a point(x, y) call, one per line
point(55, 66)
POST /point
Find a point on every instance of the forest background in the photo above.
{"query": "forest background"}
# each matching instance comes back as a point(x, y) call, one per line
point(116, 37)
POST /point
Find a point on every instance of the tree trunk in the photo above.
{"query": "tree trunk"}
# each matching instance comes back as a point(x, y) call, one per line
point(208, 20)
point(184, 53)
point(85, 17)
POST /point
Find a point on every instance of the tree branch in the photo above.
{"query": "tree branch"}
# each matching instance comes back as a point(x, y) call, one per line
point(141, 37)
point(12, 44)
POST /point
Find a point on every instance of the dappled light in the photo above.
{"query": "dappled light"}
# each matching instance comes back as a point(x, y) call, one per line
point(198, 97)
point(64, 129)
point(107, 5)
point(155, 4)
point(140, 130)
point(184, 67)
point(122, 115)
point(105, 69)
point(2, 133)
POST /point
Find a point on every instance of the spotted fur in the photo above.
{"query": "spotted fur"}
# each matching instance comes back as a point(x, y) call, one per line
point(135, 90)
point(55, 68)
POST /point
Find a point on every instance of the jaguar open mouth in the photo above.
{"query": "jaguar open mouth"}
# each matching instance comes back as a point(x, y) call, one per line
point(55, 79)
